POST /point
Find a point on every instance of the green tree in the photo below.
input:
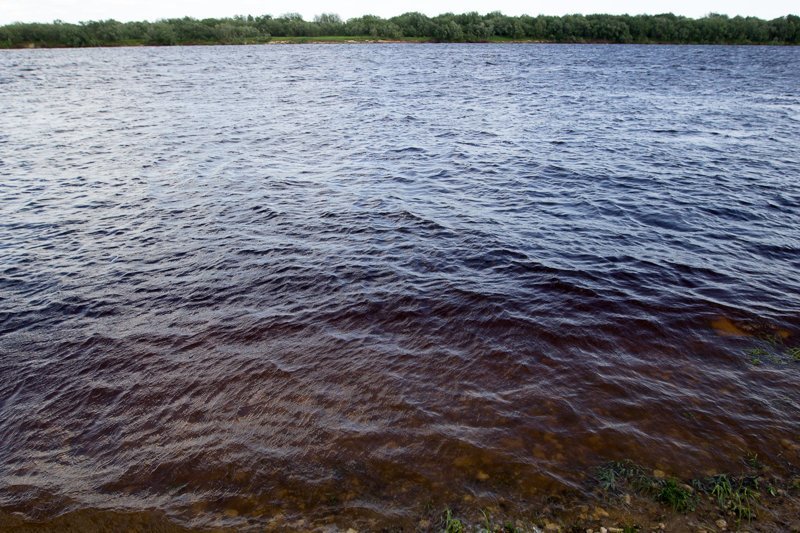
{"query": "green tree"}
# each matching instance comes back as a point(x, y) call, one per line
point(161, 33)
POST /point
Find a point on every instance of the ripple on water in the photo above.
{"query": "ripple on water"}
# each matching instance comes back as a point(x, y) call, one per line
point(311, 281)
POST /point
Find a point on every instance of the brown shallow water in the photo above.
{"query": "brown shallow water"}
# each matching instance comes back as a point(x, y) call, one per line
point(352, 284)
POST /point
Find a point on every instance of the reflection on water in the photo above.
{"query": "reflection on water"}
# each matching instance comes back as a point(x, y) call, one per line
point(255, 285)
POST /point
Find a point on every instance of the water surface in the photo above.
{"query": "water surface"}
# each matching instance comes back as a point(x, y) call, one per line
point(343, 284)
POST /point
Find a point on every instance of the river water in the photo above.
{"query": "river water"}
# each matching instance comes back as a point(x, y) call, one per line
point(345, 284)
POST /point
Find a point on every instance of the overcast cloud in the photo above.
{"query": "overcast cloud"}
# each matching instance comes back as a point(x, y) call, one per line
point(78, 10)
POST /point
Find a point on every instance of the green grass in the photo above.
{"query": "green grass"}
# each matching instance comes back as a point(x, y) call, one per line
point(487, 521)
point(776, 352)
point(774, 340)
point(612, 476)
point(720, 495)
point(735, 495)
point(756, 355)
point(794, 353)
point(608, 477)
point(721, 489)
point(344, 39)
point(680, 498)
point(450, 524)
point(743, 501)
point(751, 460)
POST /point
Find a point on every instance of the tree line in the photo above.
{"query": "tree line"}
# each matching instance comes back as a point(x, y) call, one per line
point(449, 27)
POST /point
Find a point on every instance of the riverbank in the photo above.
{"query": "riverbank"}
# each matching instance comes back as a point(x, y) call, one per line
point(619, 497)
point(408, 27)
point(362, 39)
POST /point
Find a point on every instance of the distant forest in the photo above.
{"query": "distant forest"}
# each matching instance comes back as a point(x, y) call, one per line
point(468, 27)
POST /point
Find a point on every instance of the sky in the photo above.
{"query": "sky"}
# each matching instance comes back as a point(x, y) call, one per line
point(125, 10)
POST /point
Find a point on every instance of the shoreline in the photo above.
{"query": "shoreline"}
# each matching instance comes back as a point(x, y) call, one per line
point(619, 497)
point(361, 40)
point(469, 27)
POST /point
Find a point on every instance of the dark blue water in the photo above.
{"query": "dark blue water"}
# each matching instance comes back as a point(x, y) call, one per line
point(248, 285)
